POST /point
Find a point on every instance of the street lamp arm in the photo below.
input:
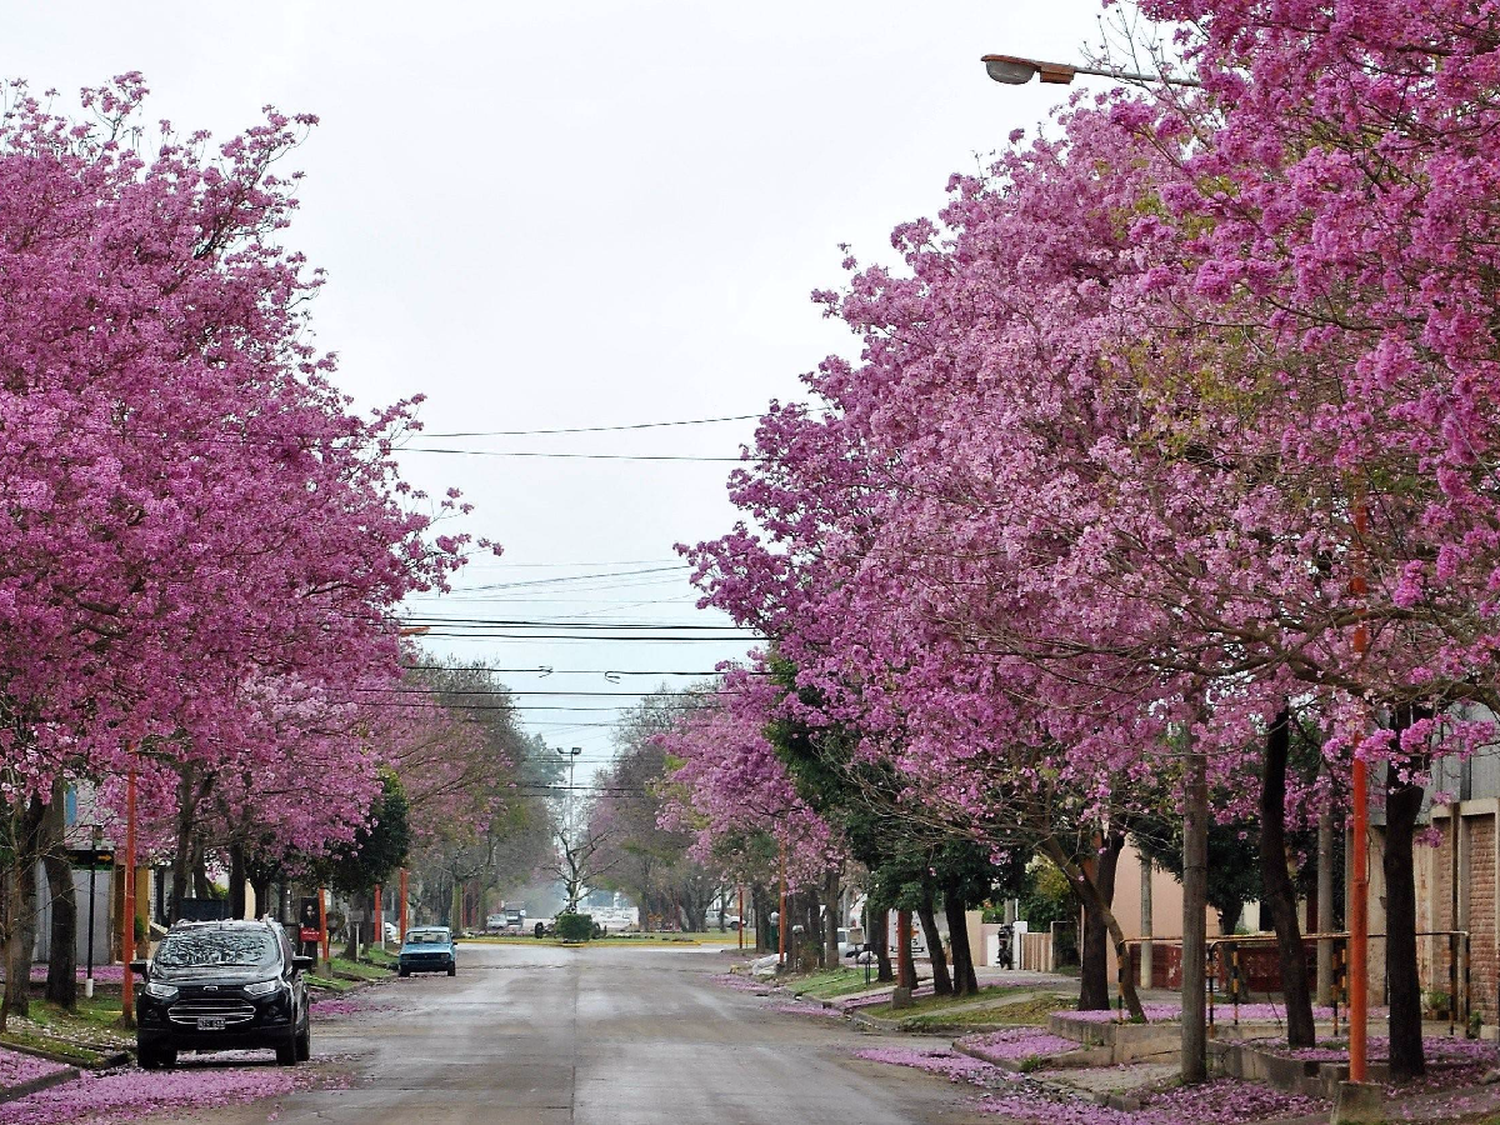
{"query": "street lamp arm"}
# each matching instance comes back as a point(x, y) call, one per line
point(1015, 71)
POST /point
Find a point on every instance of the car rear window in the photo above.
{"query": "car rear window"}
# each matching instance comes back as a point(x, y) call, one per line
point(184, 949)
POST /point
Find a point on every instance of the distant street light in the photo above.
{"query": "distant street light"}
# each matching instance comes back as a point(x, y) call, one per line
point(1014, 71)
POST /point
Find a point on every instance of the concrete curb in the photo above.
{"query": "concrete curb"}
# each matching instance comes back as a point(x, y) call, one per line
point(37, 1085)
point(107, 1057)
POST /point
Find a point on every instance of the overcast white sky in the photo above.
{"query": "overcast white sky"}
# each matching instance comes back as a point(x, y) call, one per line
point(581, 214)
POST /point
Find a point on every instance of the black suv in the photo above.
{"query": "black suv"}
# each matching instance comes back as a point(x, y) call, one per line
point(222, 986)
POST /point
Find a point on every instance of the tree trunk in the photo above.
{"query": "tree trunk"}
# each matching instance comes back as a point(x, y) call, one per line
point(262, 887)
point(1194, 924)
point(760, 902)
point(1276, 885)
point(965, 980)
point(1093, 985)
point(941, 984)
point(20, 934)
point(1403, 804)
point(1325, 907)
point(236, 880)
point(182, 855)
point(198, 867)
point(1087, 890)
point(877, 933)
point(62, 959)
point(831, 920)
point(813, 929)
point(351, 950)
point(906, 964)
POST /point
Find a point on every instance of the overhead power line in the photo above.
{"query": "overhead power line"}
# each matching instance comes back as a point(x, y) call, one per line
point(592, 429)
point(546, 670)
point(568, 456)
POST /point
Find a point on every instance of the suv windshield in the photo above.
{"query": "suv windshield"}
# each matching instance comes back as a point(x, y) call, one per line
point(183, 949)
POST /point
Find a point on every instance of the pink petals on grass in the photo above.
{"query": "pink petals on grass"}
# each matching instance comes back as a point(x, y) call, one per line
point(17, 1068)
point(740, 984)
point(950, 1064)
point(808, 1008)
point(1019, 1043)
point(1223, 1102)
point(126, 1095)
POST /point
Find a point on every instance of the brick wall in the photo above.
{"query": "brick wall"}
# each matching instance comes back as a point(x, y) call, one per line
point(1480, 884)
point(1476, 908)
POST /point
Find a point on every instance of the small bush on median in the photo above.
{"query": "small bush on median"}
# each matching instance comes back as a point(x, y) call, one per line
point(575, 927)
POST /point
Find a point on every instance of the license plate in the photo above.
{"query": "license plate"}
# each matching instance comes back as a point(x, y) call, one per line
point(210, 1023)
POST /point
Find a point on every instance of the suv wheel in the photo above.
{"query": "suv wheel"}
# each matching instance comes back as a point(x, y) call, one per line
point(453, 968)
point(286, 1053)
point(155, 1057)
point(304, 1042)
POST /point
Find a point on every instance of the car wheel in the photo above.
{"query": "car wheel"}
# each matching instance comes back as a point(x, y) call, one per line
point(304, 1042)
point(453, 968)
point(147, 1056)
point(286, 1052)
point(403, 972)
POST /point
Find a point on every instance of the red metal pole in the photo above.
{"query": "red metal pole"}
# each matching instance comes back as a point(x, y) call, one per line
point(1359, 891)
point(323, 924)
point(127, 911)
point(402, 920)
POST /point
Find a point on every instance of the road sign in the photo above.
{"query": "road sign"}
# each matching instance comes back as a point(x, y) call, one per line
point(91, 857)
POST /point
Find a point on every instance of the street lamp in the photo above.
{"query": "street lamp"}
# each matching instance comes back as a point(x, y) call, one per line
point(1013, 71)
point(570, 828)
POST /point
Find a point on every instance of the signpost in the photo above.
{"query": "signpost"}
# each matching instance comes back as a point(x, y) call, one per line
point(92, 858)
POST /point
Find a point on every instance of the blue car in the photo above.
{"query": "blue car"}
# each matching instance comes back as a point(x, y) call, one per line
point(428, 949)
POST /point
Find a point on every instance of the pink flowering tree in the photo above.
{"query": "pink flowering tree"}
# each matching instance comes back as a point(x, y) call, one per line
point(194, 507)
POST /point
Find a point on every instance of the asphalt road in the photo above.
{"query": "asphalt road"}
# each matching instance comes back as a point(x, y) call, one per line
point(547, 1036)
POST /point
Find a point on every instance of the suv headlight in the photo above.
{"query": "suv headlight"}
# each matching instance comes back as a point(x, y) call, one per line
point(161, 991)
point(262, 987)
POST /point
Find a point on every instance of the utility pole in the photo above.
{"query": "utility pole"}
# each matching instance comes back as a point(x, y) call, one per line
point(127, 913)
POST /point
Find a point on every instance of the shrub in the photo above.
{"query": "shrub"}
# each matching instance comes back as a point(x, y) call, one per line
point(575, 927)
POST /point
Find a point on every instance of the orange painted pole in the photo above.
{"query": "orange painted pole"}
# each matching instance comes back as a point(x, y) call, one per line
point(127, 907)
point(379, 919)
point(402, 935)
point(1359, 875)
point(323, 924)
point(741, 926)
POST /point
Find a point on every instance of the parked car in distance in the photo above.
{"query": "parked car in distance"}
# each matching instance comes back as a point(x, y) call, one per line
point(428, 949)
point(222, 986)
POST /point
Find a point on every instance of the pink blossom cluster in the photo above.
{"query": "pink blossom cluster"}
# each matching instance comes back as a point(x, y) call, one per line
point(207, 548)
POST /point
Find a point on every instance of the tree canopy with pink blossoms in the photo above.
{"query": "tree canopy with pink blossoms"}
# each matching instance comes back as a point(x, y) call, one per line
point(1157, 413)
point(205, 544)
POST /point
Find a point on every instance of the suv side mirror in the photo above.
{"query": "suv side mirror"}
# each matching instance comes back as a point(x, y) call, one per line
point(303, 964)
point(139, 968)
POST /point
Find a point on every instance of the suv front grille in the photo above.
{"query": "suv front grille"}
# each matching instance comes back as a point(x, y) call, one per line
point(230, 1010)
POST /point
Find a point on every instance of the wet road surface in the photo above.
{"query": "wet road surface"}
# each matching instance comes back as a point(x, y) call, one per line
point(600, 1035)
